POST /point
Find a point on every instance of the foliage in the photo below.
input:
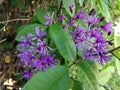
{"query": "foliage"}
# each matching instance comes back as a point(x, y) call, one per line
point(73, 71)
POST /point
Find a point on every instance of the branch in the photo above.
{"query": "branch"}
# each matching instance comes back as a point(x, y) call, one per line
point(18, 19)
point(3, 40)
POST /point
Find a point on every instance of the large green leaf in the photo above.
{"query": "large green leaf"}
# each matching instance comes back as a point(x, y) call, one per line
point(55, 78)
point(63, 41)
point(24, 30)
point(86, 75)
point(66, 4)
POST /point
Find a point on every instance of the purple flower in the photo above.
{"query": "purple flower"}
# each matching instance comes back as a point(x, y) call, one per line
point(104, 57)
point(79, 36)
point(72, 22)
point(43, 48)
point(103, 18)
point(61, 17)
point(91, 12)
point(45, 62)
point(84, 3)
point(92, 19)
point(80, 15)
point(72, 7)
point(49, 18)
point(27, 74)
point(107, 28)
point(39, 34)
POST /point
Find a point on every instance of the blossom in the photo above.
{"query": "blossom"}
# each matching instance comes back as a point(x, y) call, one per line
point(92, 19)
point(39, 33)
point(27, 74)
point(61, 17)
point(91, 11)
point(79, 36)
point(72, 7)
point(45, 62)
point(107, 28)
point(49, 18)
point(80, 15)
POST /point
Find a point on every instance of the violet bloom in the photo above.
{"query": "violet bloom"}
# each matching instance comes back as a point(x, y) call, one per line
point(49, 18)
point(28, 74)
point(72, 7)
point(80, 15)
point(92, 19)
point(91, 11)
point(43, 48)
point(72, 22)
point(107, 28)
point(61, 17)
point(45, 62)
point(79, 36)
point(39, 34)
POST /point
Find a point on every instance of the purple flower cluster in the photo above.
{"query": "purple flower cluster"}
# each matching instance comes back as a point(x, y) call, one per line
point(35, 54)
point(89, 37)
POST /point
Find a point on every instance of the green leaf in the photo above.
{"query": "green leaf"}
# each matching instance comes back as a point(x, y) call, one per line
point(104, 10)
point(77, 85)
point(63, 41)
point(21, 27)
point(55, 78)
point(40, 13)
point(81, 2)
point(87, 75)
point(24, 30)
point(105, 75)
point(66, 4)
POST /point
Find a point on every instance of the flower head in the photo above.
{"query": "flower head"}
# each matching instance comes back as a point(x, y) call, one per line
point(61, 17)
point(107, 28)
point(49, 18)
point(91, 40)
point(45, 62)
point(72, 7)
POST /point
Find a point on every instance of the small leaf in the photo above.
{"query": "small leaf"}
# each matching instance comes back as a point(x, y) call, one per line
point(63, 41)
point(66, 4)
point(55, 78)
